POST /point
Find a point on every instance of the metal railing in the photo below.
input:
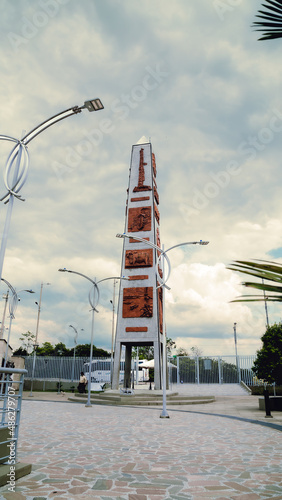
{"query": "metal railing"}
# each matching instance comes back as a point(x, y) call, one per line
point(11, 387)
point(212, 369)
point(62, 368)
point(182, 369)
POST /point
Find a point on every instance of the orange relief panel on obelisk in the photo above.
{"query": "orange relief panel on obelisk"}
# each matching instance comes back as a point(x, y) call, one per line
point(139, 219)
point(138, 302)
point(141, 177)
point(139, 258)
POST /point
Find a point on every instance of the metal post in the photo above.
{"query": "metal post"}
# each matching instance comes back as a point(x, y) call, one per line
point(60, 375)
point(75, 342)
point(178, 373)
point(236, 353)
point(88, 404)
point(9, 212)
point(113, 333)
point(137, 366)
point(164, 413)
point(36, 339)
point(267, 403)
point(265, 306)
point(219, 370)
point(4, 315)
point(197, 370)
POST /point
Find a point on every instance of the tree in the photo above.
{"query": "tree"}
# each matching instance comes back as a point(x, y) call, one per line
point(272, 20)
point(46, 350)
point(264, 270)
point(20, 352)
point(196, 351)
point(268, 364)
point(170, 344)
point(60, 349)
point(144, 352)
point(28, 340)
point(83, 350)
point(182, 352)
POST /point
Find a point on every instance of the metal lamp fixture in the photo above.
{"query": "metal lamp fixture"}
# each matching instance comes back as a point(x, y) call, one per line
point(93, 301)
point(17, 163)
point(93, 105)
point(36, 345)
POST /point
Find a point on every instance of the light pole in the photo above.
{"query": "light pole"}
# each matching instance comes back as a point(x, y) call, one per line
point(93, 304)
point(16, 168)
point(163, 280)
point(35, 345)
point(236, 352)
point(5, 297)
point(12, 309)
point(113, 331)
point(75, 344)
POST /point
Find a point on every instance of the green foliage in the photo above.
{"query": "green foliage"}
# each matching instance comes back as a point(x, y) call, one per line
point(144, 352)
point(268, 365)
point(264, 270)
point(82, 350)
point(271, 22)
point(27, 340)
point(170, 344)
point(258, 390)
point(20, 352)
point(46, 350)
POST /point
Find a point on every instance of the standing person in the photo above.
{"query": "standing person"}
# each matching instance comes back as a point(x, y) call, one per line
point(82, 383)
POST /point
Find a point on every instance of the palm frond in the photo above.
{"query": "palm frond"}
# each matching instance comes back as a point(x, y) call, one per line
point(263, 270)
point(260, 269)
point(272, 20)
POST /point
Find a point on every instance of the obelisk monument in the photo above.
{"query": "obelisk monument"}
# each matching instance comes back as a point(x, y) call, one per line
point(140, 308)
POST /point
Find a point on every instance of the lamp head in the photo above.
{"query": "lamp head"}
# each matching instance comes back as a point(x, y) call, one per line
point(118, 235)
point(201, 242)
point(93, 105)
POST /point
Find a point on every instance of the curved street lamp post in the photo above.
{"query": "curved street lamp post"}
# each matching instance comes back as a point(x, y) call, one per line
point(13, 303)
point(18, 160)
point(75, 344)
point(93, 304)
point(163, 280)
point(35, 345)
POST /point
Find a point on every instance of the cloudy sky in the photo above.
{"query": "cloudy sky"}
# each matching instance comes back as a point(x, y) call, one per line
point(193, 79)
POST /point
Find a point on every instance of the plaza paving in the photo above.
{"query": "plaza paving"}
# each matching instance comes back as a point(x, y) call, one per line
point(221, 450)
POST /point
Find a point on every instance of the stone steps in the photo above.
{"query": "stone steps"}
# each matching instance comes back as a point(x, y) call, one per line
point(140, 399)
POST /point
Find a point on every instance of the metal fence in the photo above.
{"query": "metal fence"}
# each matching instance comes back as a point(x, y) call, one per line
point(212, 370)
point(55, 367)
point(11, 387)
point(182, 369)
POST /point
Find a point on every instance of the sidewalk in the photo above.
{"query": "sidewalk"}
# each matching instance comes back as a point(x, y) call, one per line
point(130, 453)
point(240, 406)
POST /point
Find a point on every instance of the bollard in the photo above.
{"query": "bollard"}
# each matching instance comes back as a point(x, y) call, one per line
point(267, 404)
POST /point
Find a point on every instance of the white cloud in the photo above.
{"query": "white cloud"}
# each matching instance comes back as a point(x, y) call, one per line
point(218, 89)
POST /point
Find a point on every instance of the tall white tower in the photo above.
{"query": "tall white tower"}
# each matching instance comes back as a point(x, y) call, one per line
point(140, 308)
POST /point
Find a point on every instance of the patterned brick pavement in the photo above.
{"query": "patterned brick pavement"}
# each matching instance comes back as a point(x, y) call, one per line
point(130, 453)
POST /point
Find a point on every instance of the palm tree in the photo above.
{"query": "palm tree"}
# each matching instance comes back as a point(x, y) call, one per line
point(264, 270)
point(272, 20)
